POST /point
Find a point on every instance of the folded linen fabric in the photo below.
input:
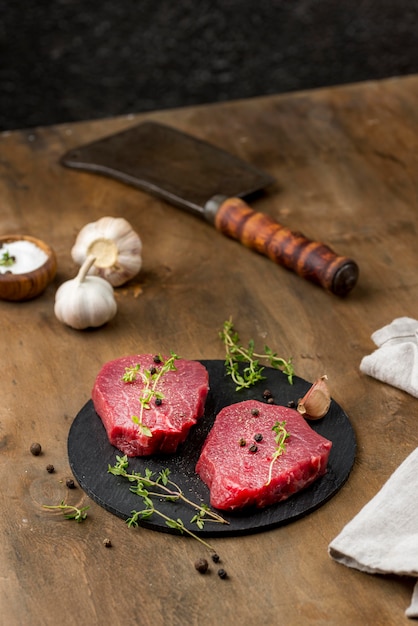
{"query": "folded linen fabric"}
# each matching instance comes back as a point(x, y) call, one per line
point(383, 537)
point(395, 361)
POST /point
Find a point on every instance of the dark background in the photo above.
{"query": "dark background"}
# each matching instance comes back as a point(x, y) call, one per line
point(67, 60)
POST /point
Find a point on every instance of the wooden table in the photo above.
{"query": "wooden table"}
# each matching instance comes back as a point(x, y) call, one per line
point(346, 165)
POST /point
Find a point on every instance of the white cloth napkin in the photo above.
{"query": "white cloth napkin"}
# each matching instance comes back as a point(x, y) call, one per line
point(396, 359)
point(383, 537)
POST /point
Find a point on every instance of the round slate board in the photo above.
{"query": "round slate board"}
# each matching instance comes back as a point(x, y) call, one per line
point(90, 453)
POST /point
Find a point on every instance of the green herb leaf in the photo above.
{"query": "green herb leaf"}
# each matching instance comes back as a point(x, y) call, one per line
point(7, 260)
point(150, 379)
point(70, 512)
point(253, 371)
point(280, 438)
point(131, 373)
point(159, 488)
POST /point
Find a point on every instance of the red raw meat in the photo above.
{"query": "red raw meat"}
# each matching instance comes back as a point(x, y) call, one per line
point(116, 401)
point(237, 477)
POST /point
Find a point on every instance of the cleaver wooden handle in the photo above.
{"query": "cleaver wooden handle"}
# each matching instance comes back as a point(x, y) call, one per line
point(310, 259)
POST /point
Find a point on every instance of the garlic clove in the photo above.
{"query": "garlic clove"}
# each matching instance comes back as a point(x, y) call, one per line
point(316, 402)
point(117, 249)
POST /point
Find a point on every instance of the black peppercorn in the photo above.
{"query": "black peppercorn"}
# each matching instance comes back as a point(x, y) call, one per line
point(157, 359)
point(215, 558)
point(267, 394)
point(36, 449)
point(70, 483)
point(107, 543)
point(255, 412)
point(253, 448)
point(222, 573)
point(50, 469)
point(201, 565)
point(258, 437)
point(242, 442)
point(291, 404)
point(153, 370)
point(270, 400)
point(158, 401)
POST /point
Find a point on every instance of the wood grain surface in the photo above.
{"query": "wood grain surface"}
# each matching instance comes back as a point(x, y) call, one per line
point(345, 161)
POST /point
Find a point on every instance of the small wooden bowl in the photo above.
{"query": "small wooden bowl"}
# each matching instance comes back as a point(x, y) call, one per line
point(19, 287)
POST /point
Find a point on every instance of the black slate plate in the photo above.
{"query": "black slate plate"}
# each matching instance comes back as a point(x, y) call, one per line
point(90, 453)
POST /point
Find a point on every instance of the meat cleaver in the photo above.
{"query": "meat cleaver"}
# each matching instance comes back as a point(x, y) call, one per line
point(199, 177)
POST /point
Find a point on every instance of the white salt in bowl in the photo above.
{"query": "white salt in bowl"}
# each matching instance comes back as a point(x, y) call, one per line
point(27, 266)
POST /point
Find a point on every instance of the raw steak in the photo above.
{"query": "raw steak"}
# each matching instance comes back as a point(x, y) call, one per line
point(237, 473)
point(116, 402)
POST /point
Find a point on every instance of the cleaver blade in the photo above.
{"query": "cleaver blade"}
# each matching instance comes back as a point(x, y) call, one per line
point(165, 162)
point(195, 175)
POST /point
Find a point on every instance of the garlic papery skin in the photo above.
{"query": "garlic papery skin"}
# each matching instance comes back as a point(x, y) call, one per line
point(317, 400)
point(85, 301)
point(117, 249)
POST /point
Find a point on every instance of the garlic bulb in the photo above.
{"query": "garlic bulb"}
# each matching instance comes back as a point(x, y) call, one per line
point(85, 301)
point(116, 247)
point(316, 401)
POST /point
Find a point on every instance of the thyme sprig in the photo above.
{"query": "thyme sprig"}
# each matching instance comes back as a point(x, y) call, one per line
point(237, 354)
point(158, 486)
point(177, 524)
point(281, 436)
point(70, 512)
point(150, 378)
point(130, 374)
point(7, 259)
